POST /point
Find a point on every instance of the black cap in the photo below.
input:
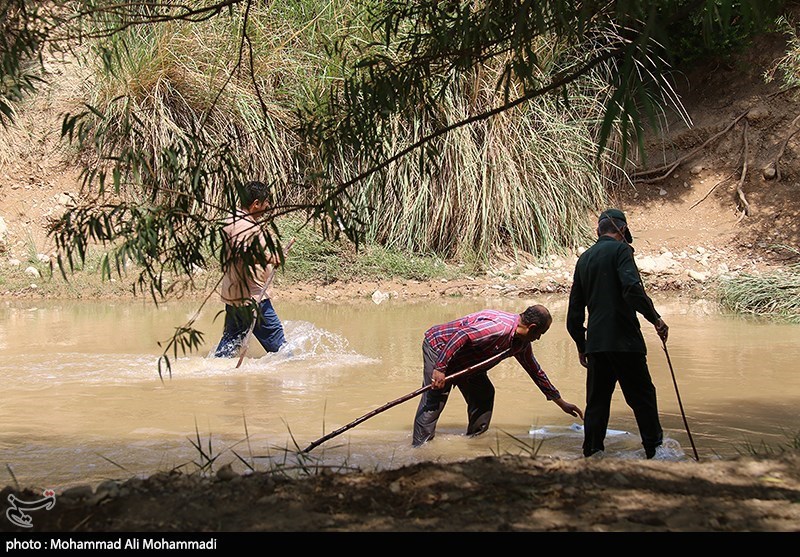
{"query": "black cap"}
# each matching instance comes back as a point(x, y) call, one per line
point(619, 215)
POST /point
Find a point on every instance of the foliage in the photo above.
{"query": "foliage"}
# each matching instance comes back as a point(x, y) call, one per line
point(789, 64)
point(23, 34)
point(697, 37)
point(182, 118)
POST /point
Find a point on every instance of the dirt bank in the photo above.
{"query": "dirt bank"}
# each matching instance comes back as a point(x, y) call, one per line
point(492, 494)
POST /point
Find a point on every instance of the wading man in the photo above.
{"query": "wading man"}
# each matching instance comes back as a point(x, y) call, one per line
point(470, 340)
point(244, 278)
point(607, 283)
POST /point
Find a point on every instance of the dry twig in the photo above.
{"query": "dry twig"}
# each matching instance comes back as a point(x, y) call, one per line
point(699, 201)
point(668, 169)
point(739, 190)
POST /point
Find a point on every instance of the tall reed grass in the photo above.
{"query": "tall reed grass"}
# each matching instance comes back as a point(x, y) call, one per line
point(522, 182)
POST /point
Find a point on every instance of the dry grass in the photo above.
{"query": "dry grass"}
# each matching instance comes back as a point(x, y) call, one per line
point(775, 295)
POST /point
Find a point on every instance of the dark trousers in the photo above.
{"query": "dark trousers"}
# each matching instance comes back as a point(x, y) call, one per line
point(476, 389)
point(268, 329)
point(630, 369)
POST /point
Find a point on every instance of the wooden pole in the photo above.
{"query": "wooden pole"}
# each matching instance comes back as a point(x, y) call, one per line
point(680, 404)
point(449, 379)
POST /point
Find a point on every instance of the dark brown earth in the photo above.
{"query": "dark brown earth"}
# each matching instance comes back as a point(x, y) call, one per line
point(695, 208)
point(491, 494)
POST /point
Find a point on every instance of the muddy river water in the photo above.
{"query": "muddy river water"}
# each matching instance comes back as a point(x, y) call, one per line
point(83, 401)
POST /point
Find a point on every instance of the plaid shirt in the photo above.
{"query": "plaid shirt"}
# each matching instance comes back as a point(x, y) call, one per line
point(481, 335)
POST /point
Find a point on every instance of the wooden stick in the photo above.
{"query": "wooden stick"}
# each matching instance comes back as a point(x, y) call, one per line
point(680, 404)
point(246, 340)
point(448, 379)
point(739, 186)
point(678, 162)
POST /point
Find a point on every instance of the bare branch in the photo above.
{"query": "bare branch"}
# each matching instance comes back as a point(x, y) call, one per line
point(667, 170)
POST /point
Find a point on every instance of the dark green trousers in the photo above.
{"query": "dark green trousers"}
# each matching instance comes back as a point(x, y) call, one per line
point(631, 371)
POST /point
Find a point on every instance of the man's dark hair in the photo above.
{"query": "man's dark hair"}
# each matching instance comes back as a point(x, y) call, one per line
point(536, 315)
point(253, 191)
point(607, 226)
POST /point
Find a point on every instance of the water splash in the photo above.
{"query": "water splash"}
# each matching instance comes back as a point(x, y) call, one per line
point(619, 443)
point(306, 344)
point(669, 450)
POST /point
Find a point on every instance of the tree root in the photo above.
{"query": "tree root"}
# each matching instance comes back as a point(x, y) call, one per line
point(699, 201)
point(745, 206)
point(778, 156)
point(667, 169)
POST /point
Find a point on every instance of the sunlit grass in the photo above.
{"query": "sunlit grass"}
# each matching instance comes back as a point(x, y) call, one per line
point(311, 259)
point(775, 295)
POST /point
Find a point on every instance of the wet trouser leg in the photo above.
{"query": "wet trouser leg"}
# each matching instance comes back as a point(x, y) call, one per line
point(600, 384)
point(640, 394)
point(630, 369)
point(268, 329)
point(432, 401)
point(237, 322)
point(478, 392)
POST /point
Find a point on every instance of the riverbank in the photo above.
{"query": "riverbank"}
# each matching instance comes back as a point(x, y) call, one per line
point(492, 494)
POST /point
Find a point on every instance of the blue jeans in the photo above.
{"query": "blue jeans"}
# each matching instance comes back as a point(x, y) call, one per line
point(268, 329)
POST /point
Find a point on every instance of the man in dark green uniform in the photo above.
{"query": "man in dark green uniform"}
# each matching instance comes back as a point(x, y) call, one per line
point(607, 284)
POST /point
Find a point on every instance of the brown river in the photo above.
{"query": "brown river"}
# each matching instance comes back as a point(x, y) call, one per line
point(83, 402)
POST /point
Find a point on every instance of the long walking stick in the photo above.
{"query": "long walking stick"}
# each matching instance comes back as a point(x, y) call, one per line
point(449, 379)
point(246, 340)
point(680, 404)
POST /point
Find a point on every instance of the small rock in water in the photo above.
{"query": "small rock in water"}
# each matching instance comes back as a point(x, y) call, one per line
point(379, 296)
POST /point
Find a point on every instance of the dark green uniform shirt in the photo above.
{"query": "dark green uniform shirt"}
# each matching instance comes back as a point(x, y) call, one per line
point(607, 283)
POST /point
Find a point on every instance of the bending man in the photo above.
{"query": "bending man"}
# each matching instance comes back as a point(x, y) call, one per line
point(468, 341)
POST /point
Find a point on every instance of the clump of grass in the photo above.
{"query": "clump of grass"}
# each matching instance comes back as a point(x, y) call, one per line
point(520, 182)
point(178, 77)
point(762, 449)
point(775, 295)
point(317, 258)
point(286, 462)
point(530, 447)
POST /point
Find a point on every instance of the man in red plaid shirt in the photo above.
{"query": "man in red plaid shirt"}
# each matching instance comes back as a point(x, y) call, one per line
point(472, 340)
